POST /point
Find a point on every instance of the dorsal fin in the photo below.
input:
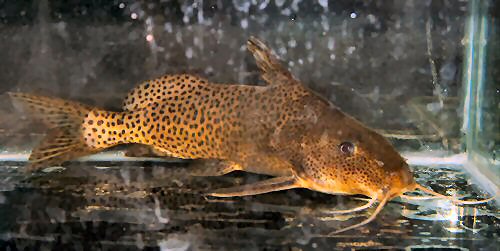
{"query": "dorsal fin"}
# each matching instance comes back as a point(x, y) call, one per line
point(273, 71)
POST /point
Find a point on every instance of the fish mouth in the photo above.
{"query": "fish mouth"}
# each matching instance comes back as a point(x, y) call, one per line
point(400, 182)
point(396, 192)
point(407, 177)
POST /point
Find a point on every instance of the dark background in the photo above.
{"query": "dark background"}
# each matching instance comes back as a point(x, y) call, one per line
point(95, 52)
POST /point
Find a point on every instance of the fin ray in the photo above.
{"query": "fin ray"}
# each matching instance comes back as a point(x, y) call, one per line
point(53, 112)
point(52, 152)
point(207, 168)
point(273, 71)
point(265, 186)
point(64, 140)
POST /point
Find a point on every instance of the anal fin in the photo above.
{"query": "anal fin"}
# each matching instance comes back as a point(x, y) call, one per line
point(265, 186)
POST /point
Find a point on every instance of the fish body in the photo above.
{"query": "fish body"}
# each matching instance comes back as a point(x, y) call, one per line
point(187, 117)
point(280, 129)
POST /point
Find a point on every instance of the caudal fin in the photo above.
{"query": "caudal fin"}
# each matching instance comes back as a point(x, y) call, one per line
point(53, 112)
point(64, 140)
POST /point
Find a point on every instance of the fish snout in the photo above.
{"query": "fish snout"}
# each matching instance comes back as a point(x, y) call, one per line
point(407, 175)
point(401, 181)
point(406, 180)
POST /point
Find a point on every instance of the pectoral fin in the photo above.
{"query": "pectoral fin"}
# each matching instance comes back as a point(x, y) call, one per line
point(139, 150)
point(212, 167)
point(265, 186)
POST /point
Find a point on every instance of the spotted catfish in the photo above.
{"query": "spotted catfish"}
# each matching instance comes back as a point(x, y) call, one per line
point(282, 129)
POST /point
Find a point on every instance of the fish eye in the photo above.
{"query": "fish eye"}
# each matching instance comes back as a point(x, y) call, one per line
point(347, 147)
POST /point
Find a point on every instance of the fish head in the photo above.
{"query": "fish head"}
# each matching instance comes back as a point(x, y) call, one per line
point(340, 155)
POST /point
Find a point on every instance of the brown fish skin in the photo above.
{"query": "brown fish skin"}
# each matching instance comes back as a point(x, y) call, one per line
point(282, 129)
point(187, 117)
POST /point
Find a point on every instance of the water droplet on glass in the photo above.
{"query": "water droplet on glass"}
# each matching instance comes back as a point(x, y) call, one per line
point(371, 18)
point(242, 5)
point(189, 52)
point(331, 43)
point(279, 3)
point(308, 45)
point(350, 50)
point(167, 27)
point(323, 3)
point(264, 4)
point(244, 23)
point(286, 12)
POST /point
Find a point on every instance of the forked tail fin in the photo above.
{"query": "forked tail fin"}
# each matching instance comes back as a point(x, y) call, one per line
point(64, 140)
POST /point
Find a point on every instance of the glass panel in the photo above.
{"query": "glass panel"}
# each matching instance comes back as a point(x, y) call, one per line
point(481, 117)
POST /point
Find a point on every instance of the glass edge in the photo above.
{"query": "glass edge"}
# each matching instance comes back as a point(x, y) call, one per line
point(482, 168)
